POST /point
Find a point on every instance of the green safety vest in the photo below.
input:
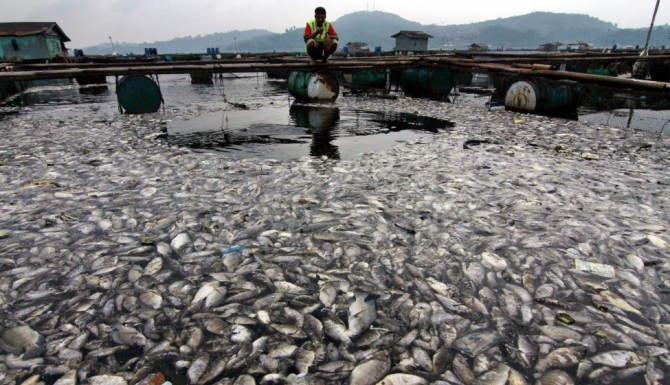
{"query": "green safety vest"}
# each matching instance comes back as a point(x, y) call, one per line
point(321, 37)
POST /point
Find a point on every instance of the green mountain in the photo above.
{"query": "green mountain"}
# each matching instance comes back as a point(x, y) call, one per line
point(375, 28)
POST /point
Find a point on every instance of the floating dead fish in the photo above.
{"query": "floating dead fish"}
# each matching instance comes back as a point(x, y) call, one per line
point(20, 339)
point(126, 335)
point(362, 313)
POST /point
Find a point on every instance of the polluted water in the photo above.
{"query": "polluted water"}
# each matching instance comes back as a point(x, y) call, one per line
point(506, 249)
point(312, 129)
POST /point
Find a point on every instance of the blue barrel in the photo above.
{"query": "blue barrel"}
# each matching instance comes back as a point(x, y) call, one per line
point(147, 52)
point(538, 96)
point(313, 86)
point(138, 94)
point(434, 83)
point(364, 79)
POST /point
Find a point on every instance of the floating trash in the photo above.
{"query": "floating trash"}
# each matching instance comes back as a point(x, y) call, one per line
point(477, 342)
point(600, 269)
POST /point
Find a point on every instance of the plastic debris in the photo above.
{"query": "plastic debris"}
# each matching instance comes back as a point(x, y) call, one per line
point(233, 249)
point(477, 342)
point(600, 269)
point(565, 318)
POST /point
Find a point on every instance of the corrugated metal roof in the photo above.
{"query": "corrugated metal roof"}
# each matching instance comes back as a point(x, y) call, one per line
point(30, 28)
point(413, 34)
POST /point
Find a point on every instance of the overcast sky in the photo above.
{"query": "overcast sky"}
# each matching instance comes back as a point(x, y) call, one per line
point(90, 22)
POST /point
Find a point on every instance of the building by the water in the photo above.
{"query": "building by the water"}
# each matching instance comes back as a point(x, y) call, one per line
point(411, 41)
point(32, 41)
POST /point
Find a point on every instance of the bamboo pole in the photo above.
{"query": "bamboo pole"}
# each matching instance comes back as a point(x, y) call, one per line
point(210, 68)
point(636, 84)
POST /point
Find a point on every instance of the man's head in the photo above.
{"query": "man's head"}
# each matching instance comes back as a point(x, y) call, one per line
point(320, 11)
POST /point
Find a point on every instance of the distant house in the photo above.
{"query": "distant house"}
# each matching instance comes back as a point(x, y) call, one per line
point(357, 47)
point(478, 47)
point(579, 46)
point(550, 47)
point(32, 41)
point(414, 41)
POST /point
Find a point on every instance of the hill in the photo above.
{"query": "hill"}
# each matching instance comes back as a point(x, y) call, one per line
point(375, 28)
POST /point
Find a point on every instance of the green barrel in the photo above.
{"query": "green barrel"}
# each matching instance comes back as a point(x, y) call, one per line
point(138, 94)
point(537, 96)
point(313, 86)
point(364, 79)
point(435, 83)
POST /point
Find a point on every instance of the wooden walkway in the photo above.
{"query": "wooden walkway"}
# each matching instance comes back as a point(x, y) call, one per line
point(542, 66)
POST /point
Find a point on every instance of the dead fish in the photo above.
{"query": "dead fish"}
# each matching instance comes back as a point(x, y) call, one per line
point(126, 335)
point(564, 357)
point(658, 242)
point(362, 313)
point(334, 328)
point(619, 302)
point(618, 359)
point(106, 379)
point(152, 299)
point(371, 371)
point(197, 367)
point(402, 379)
point(498, 376)
point(154, 266)
point(211, 294)
point(69, 378)
point(493, 261)
point(304, 358)
point(180, 242)
point(20, 339)
point(555, 377)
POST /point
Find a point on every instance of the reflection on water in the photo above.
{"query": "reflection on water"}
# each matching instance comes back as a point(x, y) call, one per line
point(320, 121)
point(309, 130)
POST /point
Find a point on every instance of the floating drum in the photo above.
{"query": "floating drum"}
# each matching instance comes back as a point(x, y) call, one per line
point(434, 83)
point(137, 94)
point(364, 79)
point(313, 86)
point(536, 96)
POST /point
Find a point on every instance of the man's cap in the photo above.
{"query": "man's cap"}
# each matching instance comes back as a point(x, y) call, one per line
point(320, 11)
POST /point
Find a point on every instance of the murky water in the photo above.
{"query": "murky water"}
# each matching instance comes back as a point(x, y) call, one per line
point(298, 130)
